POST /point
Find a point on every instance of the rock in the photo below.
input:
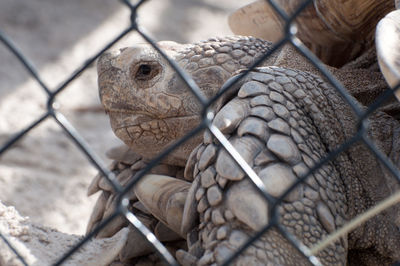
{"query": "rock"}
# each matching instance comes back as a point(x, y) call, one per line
point(40, 245)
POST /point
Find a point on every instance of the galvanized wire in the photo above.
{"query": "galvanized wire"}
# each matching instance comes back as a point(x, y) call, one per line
point(122, 204)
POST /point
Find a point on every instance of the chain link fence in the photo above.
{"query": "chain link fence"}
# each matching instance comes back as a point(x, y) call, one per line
point(122, 208)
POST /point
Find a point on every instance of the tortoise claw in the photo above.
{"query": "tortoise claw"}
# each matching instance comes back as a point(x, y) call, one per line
point(97, 213)
point(137, 245)
point(165, 198)
point(94, 185)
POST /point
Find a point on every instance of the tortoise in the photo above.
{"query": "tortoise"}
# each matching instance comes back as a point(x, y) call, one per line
point(282, 117)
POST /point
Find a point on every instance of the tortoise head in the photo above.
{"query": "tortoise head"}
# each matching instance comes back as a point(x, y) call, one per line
point(148, 103)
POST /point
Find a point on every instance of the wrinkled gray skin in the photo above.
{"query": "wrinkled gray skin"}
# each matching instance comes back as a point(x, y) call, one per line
point(282, 121)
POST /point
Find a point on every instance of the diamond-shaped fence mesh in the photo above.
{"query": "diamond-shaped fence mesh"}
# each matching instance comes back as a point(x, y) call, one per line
point(289, 37)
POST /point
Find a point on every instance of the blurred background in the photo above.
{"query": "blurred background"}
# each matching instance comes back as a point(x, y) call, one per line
point(45, 176)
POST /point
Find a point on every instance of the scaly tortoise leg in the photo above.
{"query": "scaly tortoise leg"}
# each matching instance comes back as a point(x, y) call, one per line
point(126, 164)
point(276, 127)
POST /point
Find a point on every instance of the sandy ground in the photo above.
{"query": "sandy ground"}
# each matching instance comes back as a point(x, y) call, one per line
point(45, 176)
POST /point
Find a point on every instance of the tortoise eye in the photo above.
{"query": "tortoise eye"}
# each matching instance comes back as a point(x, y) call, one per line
point(147, 71)
point(145, 74)
point(144, 70)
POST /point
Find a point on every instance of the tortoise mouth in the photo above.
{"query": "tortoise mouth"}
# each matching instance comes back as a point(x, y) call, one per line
point(145, 130)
